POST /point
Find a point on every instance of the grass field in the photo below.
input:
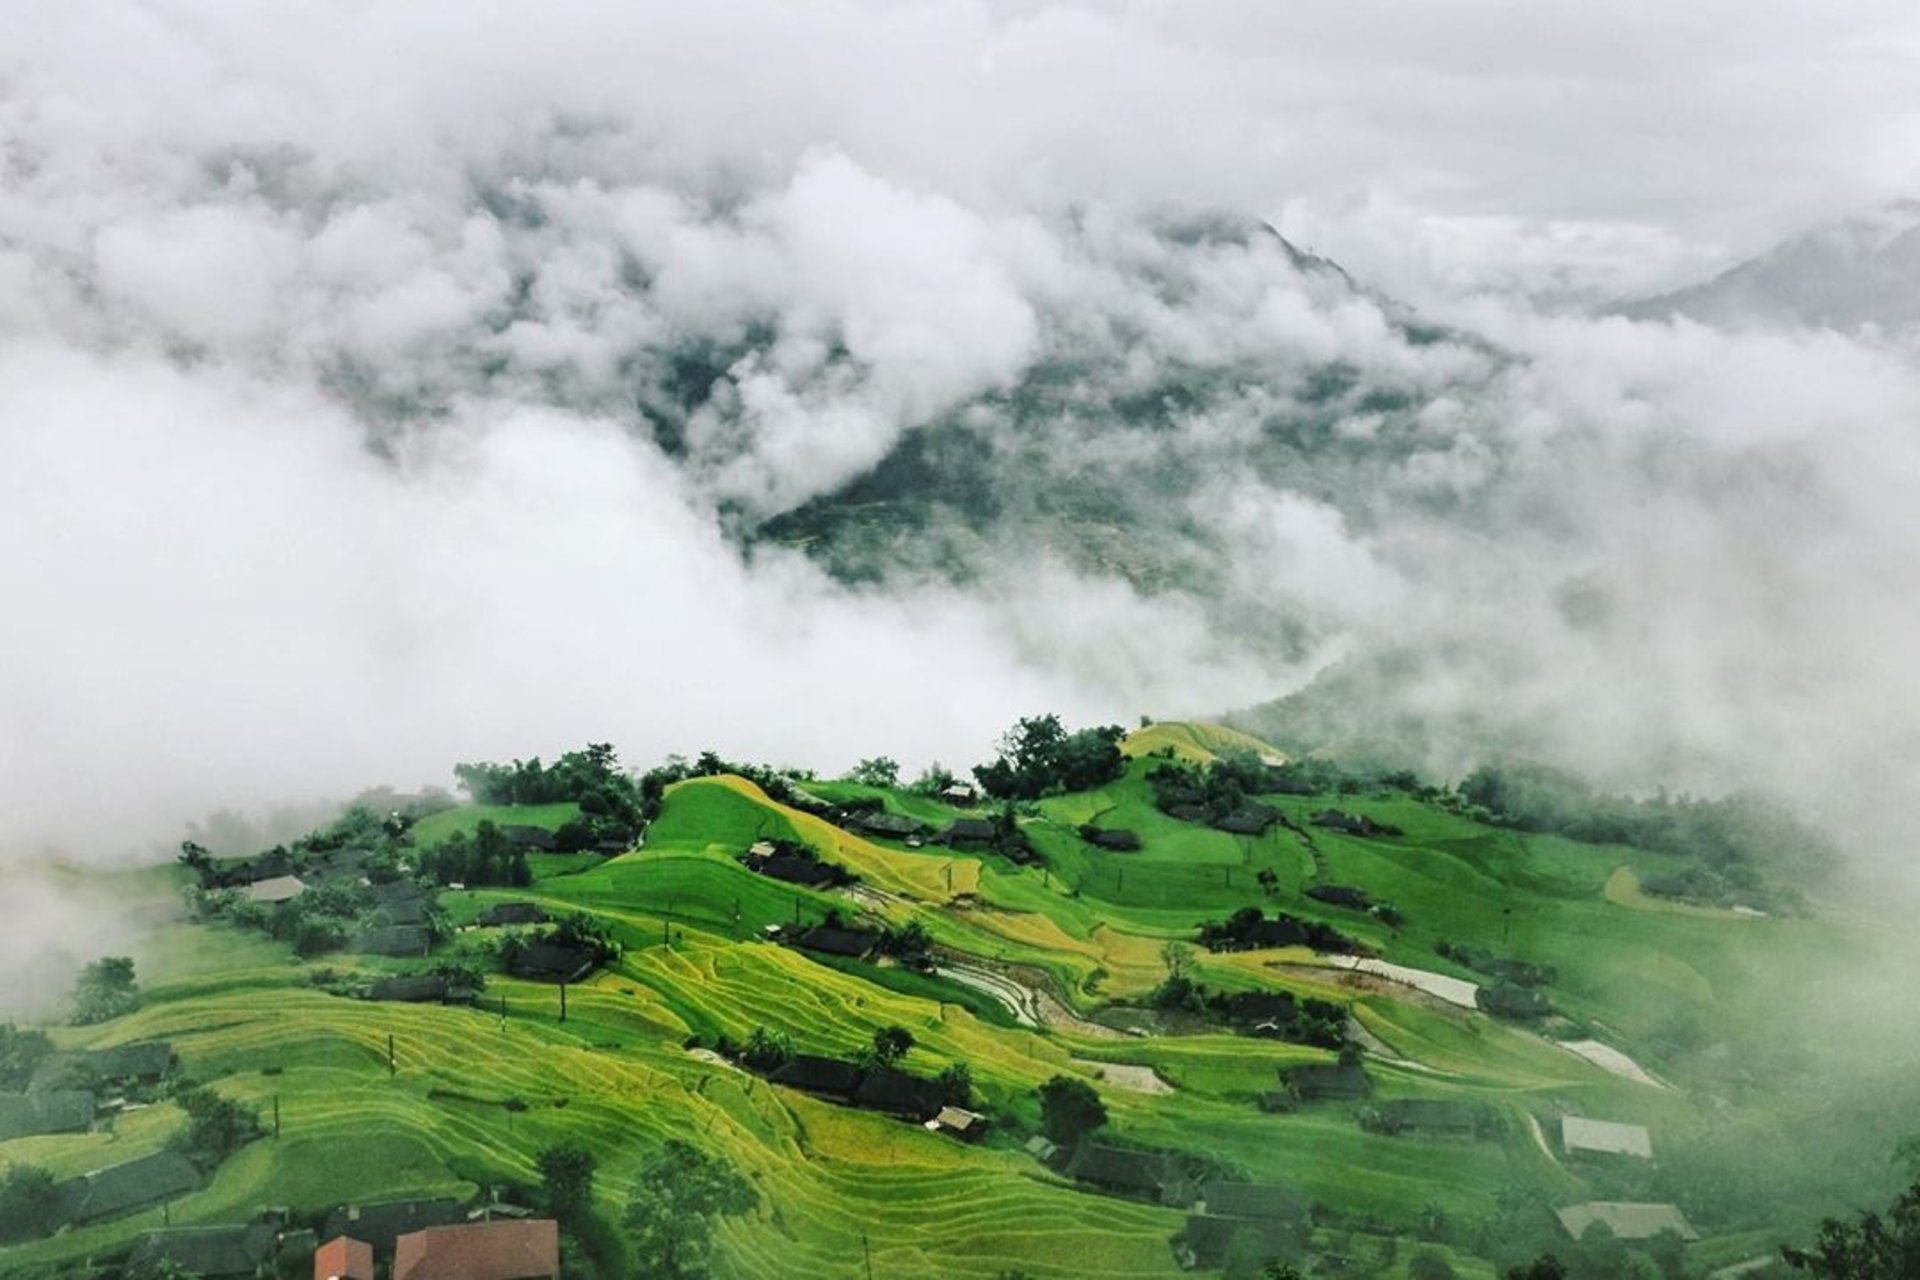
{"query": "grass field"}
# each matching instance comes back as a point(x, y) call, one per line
point(1087, 925)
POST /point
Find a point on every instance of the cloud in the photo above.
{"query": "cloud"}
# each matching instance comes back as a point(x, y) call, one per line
point(385, 387)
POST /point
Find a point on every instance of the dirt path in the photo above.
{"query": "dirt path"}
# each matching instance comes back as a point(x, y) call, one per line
point(1455, 991)
point(1608, 1058)
point(1125, 1075)
point(1539, 1138)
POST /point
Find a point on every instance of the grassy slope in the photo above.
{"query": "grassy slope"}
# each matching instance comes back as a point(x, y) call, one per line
point(615, 1076)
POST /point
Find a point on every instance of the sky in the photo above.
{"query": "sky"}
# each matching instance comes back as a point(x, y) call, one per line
point(321, 464)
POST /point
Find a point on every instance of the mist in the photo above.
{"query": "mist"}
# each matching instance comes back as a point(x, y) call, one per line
point(342, 353)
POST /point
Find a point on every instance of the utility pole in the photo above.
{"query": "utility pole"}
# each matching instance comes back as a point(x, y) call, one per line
point(563, 1002)
point(866, 1253)
point(276, 1117)
point(503, 1011)
point(392, 1068)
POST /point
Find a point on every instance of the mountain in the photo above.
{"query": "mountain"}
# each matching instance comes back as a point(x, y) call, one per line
point(1849, 275)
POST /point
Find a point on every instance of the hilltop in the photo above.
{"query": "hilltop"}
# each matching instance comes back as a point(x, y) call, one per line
point(1259, 916)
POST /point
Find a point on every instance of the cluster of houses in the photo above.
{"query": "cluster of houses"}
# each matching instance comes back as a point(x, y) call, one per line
point(399, 1240)
point(1352, 824)
point(880, 1088)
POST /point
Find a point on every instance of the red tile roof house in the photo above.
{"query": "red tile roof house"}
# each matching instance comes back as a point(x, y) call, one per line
point(525, 1250)
point(343, 1259)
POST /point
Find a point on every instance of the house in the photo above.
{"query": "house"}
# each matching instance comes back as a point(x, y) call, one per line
point(524, 837)
point(276, 890)
point(1042, 1148)
point(380, 1225)
point(1154, 1175)
point(968, 1126)
point(1626, 1221)
point(1283, 932)
point(878, 822)
point(1428, 1117)
point(144, 1062)
point(1340, 895)
point(810, 1073)
point(510, 913)
point(1206, 1239)
point(899, 1094)
point(960, 795)
point(1330, 1081)
point(1268, 1012)
point(506, 1250)
point(1263, 1200)
point(1352, 824)
point(211, 1253)
point(1506, 1000)
point(26, 1115)
point(551, 961)
point(402, 902)
point(125, 1188)
point(395, 940)
point(343, 1258)
point(833, 940)
point(966, 831)
point(1579, 1136)
point(1117, 839)
point(800, 869)
point(1248, 820)
point(1127, 1172)
point(423, 988)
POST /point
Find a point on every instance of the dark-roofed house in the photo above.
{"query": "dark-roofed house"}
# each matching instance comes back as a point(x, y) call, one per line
point(1428, 1117)
point(1283, 932)
point(1248, 820)
point(141, 1063)
point(506, 913)
point(1205, 1241)
point(1508, 1000)
point(522, 836)
point(551, 961)
point(1117, 839)
point(835, 941)
point(423, 988)
point(381, 1225)
point(24, 1115)
point(507, 1250)
point(1352, 824)
point(343, 1258)
point(1340, 895)
point(1327, 1081)
point(1254, 1200)
point(125, 1188)
point(899, 1094)
point(395, 940)
point(811, 1073)
point(1260, 1011)
point(964, 831)
point(878, 822)
point(211, 1253)
point(1152, 1175)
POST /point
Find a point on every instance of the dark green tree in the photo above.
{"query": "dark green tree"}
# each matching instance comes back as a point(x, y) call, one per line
point(880, 771)
point(670, 1217)
point(1430, 1264)
point(566, 1176)
point(216, 1126)
point(1871, 1247)
point(1070, 1109)
point(21, 1053)
point(105, 990)
point(29, 1205)
point(1544, 1267)
point(890, 1044)
point(956, 1085)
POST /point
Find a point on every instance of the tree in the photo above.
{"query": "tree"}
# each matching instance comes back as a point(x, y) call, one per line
point(1244, 1258)
point(669, 1219)
point(21, 1052)
point(216, 1126)
point(1871, 1247)
point(1269, 881)
point(890, 1044)
point(566, 1175)
point(956, 1085)
point(767, 1051)
point(105, 990)
point(29, 1204)
point(1544, 1267)
point(1178, 957)
point(1430, 1264)
point(1070, 1109)
point(880, 771)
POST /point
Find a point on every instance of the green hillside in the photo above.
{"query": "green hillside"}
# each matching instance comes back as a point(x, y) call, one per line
point(1078, 937)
